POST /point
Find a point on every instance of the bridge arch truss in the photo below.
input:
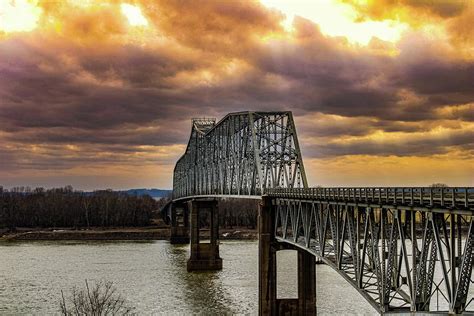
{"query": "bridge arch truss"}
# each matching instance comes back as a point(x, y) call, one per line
point(243, 154)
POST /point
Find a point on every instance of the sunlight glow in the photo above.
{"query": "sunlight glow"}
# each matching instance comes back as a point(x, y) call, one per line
point(337, 19)
point(18, 15)
point(134, 15)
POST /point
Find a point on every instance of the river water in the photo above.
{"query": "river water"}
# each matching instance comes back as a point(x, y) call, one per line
point(152, 277)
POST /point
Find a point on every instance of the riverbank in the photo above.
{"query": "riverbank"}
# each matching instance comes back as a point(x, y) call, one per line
point(131, 233)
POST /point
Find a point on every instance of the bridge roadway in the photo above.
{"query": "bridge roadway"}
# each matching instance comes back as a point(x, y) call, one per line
point(403, 249)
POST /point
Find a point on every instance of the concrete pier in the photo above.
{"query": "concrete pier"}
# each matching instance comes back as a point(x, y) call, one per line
point(204, 256)
point(179, 231)
point(268, 303)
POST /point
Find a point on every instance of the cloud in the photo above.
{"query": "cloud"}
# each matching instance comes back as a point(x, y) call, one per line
point(448, 21)
point(87, 89)
point(218, 27)
point(388, 8)
point(461, 28)
point(399, 144)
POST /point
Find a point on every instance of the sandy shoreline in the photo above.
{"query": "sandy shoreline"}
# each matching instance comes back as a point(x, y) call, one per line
point(132, 233)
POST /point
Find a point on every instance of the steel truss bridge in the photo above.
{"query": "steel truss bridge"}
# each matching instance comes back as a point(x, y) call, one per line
point(403, 249)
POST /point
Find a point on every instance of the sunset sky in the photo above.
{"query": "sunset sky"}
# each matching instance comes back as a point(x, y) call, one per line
point(100, 93)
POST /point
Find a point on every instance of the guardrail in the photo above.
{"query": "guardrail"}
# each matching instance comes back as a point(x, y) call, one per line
point(454, 197)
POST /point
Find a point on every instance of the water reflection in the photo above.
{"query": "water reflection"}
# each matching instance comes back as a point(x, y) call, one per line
point(203, 291)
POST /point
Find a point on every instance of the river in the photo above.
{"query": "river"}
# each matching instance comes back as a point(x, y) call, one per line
point(152, 277)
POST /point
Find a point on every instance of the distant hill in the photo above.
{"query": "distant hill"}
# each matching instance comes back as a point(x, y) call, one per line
point(156, 193)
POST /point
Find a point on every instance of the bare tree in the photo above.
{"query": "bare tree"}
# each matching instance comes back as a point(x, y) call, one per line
point(241, 213)
point(101, 300)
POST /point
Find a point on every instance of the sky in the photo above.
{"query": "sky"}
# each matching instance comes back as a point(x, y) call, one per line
point(100, 93)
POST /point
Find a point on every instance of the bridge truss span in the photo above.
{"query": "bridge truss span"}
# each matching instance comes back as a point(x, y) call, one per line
point(243, 154)
point(402, 248)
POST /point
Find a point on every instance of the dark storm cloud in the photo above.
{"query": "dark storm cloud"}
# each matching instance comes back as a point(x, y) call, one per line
point(414, 146)
point(334, 126)
point(126, 136)
point(44, 89)
point(463, 112)
point(58, 157)
point(435, 76)
point(426, 68)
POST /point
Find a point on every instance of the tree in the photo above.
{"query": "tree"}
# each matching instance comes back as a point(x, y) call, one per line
point(101, 300)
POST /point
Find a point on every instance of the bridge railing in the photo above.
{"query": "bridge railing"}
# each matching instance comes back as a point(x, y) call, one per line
point(454, 197)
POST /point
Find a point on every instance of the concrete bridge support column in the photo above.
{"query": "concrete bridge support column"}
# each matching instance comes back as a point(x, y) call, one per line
point(268, 303)
point(179, 231)
point(204, 256)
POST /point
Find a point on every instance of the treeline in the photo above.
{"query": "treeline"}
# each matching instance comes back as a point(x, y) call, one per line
point(65, 207)
point(238, 213)
point(234, 213)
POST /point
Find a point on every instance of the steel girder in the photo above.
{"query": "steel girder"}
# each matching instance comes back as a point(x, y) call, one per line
point(400, 253)
point(243, 154)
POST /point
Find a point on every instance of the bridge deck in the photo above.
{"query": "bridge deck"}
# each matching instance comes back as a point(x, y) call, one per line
point(460, 199)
